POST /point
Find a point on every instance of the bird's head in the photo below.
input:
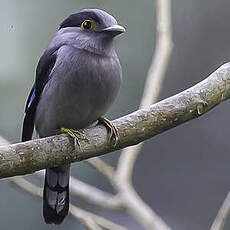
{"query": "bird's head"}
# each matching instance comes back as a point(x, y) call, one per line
point(91, 29)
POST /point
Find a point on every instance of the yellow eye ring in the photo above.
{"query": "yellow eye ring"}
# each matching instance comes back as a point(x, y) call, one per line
point(88, 25)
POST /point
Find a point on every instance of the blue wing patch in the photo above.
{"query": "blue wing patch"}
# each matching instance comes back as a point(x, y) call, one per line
point(31, 98)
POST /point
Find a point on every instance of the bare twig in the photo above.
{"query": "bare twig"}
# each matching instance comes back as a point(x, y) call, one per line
point(90, 220)
point(98, 219)
point(162, 54)
point(91, 194)
point(104, 168)
point(140, 210)
point(222, 215)
point(26, 186)
point(94, 195)
point(153, 85)
point(154, 79)
point(89, 223)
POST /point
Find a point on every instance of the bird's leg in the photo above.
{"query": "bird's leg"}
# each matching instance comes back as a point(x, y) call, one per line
point(74, 134)
point(113, 132)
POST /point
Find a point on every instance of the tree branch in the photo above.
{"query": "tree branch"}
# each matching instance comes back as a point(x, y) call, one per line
point(31, 156)
point(153, 85)
point(154, 80)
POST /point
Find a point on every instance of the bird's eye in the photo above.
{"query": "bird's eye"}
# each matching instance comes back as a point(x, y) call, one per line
point(88, 24)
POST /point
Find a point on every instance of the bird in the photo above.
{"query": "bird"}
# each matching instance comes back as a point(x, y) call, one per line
point(77, 79)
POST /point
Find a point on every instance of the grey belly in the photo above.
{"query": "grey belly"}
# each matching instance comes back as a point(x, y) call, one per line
point(76, 106)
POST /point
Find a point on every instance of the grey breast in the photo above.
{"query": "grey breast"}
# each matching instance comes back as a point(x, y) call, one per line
point(81, 88)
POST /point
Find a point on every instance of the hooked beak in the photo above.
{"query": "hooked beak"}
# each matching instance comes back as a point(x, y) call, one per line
point(114, 30)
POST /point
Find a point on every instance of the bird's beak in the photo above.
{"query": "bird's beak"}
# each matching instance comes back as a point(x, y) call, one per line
point(114, 30)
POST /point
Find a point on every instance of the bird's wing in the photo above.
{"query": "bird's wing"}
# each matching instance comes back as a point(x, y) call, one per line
point(44, 68)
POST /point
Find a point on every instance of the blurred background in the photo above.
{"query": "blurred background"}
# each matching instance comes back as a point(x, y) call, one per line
point(183, 174)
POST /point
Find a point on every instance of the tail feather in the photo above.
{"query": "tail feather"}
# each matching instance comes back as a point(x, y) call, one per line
point(56, 194)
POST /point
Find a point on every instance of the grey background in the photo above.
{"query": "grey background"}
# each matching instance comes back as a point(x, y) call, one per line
point(183, 174)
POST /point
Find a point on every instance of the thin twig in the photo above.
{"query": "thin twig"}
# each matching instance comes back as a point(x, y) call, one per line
point(154, 80)
point(95, 195)
point(98, 219)
point(222, 215)
point(104, 168)
point(91, 194)
point(90, 220)
point(26, 186)
point(140, 210)
point(136, 206)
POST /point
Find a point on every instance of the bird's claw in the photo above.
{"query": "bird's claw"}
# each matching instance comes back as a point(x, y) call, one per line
point(113, 132)
point(74, 134)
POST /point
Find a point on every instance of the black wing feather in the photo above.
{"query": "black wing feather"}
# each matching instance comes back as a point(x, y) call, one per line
point(45, 66)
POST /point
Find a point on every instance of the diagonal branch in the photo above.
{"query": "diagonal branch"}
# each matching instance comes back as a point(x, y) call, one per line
point(31, 156)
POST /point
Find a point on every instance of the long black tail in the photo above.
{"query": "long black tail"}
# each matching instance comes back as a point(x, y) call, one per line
point(56, 194)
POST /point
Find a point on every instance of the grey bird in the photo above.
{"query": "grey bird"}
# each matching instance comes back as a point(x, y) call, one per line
point(77, 79)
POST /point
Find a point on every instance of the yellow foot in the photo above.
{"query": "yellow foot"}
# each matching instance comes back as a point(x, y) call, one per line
point(113, 132)
point(74, 134)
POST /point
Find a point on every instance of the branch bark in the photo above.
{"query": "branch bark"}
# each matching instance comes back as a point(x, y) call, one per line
point(31, 156)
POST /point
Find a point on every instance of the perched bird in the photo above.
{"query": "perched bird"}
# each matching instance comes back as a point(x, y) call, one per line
point(77, 79)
